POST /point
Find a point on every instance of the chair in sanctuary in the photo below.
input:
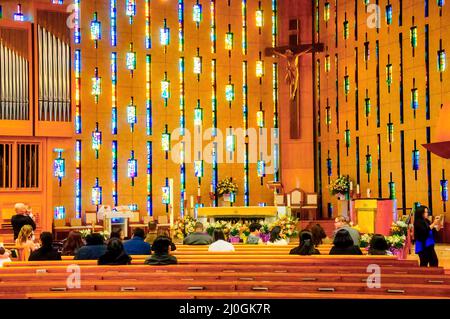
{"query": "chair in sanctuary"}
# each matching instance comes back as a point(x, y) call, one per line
point(310, 208)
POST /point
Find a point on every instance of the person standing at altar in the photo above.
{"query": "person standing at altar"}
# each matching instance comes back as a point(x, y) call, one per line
point(254, 238)
point(424, 232)
point(198, 237)
point(342, 222)
point(23, 217)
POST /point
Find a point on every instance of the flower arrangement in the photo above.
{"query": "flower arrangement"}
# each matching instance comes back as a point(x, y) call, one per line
point(235, 230)
point(85, 232)
point(396, 241)
point(365, 240)
point(226, 186)
point(399, 228)
point(183, 227)
point(288, 226)
point(341, 185)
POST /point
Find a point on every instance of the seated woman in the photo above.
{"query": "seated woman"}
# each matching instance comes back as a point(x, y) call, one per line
point(378, 245)
point(306, 246)
point(319, 237)
point(115, 254)
point(46, 252)
point(25, 240)
point(219, 243)
point(161, 252)
point(72, 244)
point(117, 233)
point(275, 237)
point(343, 244)
point(165, 233)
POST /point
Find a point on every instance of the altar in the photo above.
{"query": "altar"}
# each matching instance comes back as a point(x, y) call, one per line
point(268, 213)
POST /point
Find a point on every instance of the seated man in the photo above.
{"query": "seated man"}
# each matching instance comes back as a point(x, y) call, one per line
point(198, 237)
point(254, 237)
point(46, 252)
point(136, 245)
point(23, 217)
point(94, 248)
point(152, 232)
point(161, 256)
point(342, 222)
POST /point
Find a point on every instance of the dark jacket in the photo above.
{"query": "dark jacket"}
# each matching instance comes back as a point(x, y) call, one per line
point(198, 239)
point(352, 250)
point(45, 253)
point(90, 252)
point(161, 259)
point(109, 258)
point(422, 229)
point(18, 221)
point(137, 246)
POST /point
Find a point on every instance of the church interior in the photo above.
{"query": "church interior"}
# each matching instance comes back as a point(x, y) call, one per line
point(229, 120)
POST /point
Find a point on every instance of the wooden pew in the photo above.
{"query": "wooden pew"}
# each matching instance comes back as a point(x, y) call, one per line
point(212, 295)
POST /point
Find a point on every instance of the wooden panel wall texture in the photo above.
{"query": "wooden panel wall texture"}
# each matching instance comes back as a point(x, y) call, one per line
point(160, 62)
point(412, 68)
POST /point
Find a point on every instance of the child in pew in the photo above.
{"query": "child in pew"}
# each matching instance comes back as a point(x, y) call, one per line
point(46, 252)
point(306, 245)
point(4, 256)
point(219, 243)
point(25, 240)
point(115, 254)
point(343, 244)
point(161, 256)
point(275, 237)
point(254, 238)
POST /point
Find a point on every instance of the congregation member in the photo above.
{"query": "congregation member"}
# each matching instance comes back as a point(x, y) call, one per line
point(136, 245)
point(23, 217)
point(117, 233)
point(152, 232)
point(378, 245)
point(46, 251)
point(161, 252)
point(220, 244)
point(342, 222)
point(319, 237)
point(94, 248)
point(254, 238)
point(275, 237)
point(343, 244)
point(25, 241)
point(424, 233)
point(4, 256)
point(72, 244)
point(306, 245)
point(165, 233)
point(115, 254)
point(198, 237)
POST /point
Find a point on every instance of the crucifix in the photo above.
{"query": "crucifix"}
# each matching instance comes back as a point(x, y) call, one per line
point(292, 56)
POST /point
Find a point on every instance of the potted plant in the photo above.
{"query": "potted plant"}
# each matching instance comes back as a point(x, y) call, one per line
point(234, 236)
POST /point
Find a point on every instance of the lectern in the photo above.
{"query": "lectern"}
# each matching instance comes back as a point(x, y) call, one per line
point(117, 219)
point(374, 215)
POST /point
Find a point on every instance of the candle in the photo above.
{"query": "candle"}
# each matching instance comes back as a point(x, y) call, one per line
point(192, 201)
point(368, 193)
point(288, 200)
point(211, 189)
point(351, 186)
point(198, 191)
point(357, 189)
